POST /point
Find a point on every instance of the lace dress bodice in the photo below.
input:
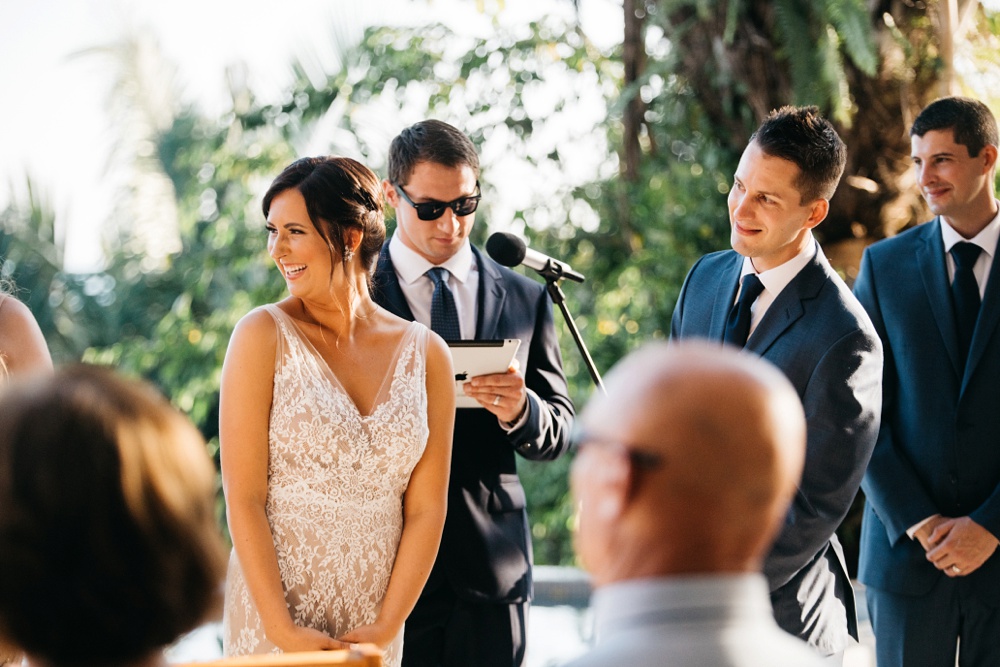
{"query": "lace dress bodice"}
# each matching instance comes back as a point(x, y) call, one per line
point(336, 480)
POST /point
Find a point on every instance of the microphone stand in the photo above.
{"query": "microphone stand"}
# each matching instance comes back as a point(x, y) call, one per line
point(553, 275)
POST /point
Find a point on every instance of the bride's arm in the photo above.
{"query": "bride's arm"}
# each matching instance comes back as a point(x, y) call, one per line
point(244, 413)
point(424, 505)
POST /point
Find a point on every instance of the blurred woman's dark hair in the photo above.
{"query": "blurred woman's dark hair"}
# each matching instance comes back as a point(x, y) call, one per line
point(109, 545)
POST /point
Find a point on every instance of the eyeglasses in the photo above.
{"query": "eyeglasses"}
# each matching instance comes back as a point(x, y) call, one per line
point(639, 458)
point(432, 210)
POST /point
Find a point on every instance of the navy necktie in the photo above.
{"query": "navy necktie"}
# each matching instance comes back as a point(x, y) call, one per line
point(444, 315)
point(965, 293)
point(738, 324)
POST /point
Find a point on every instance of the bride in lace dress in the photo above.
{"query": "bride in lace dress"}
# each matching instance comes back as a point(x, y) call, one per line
point(335, 430)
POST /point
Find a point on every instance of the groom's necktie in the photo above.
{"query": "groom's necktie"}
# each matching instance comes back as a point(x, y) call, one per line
point(738, 324)
point(965, 293)
point(444, 315)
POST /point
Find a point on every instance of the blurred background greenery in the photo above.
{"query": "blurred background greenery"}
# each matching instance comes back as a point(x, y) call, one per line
point(676, 99)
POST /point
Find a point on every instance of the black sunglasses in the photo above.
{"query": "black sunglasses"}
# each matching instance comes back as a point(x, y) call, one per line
point(645, 460)
point(432, 210)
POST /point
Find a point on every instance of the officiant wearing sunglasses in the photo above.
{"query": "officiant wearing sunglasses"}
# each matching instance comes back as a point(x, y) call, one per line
point(473, 609)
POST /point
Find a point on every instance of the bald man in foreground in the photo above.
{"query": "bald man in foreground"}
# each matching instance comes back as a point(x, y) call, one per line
point(683, 475)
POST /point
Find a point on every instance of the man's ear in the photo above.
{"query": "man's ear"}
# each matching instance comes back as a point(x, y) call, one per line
point(989, 153)
point(390, 193)
point(817, 212)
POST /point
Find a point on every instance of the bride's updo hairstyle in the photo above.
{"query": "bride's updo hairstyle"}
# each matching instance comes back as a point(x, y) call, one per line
point(109, 545)
point(340, 194)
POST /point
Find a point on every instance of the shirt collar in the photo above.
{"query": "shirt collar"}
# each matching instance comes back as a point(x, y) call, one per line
point(986, 239)
point(411, 267)
point(776, 279)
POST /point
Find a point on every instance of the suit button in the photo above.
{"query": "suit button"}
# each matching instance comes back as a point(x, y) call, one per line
point(953, 479)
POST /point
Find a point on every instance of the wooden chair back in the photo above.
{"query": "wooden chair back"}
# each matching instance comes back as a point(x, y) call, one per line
point(364, 655)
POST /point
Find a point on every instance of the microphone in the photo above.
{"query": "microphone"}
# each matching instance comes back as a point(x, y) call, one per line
point(508, 250)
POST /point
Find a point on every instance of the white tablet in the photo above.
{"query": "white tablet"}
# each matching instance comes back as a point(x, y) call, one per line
point(479, 357)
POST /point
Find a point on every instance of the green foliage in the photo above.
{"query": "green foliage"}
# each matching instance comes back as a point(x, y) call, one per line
point(550, 509)
point(649, 233)
point(812, 38)
point(849, 19)
point(31, 257)
point(176, 321)
point(171, 323)
point(511, 91)
point(809, 44)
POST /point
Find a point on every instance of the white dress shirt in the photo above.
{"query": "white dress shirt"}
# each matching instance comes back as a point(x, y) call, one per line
point(418, 288)
point(986, 240)
point(774, 280)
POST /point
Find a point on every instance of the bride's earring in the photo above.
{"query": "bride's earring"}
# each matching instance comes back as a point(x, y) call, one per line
point(348, 255)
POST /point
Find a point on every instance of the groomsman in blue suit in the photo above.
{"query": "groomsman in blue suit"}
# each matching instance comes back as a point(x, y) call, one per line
point(776, 294)
point(929, 535)
point(473, 609)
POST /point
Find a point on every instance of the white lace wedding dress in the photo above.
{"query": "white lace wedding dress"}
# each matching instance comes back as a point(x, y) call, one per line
point(335, 484)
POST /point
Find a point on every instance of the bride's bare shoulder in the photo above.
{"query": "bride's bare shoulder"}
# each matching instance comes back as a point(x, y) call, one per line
point(256, 328)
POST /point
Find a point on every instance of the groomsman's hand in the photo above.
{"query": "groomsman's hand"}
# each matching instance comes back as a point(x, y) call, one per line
point(503, 394)
point(962, 546)
point(923, 534)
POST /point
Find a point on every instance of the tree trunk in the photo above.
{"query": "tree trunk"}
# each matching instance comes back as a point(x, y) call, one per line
point(634, 60)
point(633, 57)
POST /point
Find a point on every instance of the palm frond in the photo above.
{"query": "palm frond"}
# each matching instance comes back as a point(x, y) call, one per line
point(797, 36)
point(850, 19)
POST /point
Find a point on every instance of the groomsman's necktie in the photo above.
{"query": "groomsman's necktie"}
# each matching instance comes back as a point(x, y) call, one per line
point(444, 315)
point(965, 293)
point(738, 324)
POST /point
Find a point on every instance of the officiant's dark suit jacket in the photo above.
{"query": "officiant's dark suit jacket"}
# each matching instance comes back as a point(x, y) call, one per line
point(819, 335)
point(938, 451)
point(485, 550)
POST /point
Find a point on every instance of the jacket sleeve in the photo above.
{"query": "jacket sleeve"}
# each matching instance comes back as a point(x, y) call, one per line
point(842, 402)
point(545, 435)
point(677, 319)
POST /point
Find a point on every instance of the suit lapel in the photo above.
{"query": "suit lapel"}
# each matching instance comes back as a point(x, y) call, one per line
point(934, 274)
point(492, 294)
point(725, 296)
point(787, 307)
point(989, 315)
point(385, 286)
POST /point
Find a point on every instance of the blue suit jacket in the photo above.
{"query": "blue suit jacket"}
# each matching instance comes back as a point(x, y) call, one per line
point(485, 551)
point(938, 451)
point(818, 334)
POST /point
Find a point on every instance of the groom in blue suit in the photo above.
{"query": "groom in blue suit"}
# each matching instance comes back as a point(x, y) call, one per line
point(929, 535)
point(776, 294)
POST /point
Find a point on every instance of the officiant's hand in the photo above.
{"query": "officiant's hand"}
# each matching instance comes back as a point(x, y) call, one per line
point(503, 394)
point(373, 633)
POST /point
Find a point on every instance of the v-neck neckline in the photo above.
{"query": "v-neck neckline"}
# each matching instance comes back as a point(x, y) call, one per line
point(378, 400)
